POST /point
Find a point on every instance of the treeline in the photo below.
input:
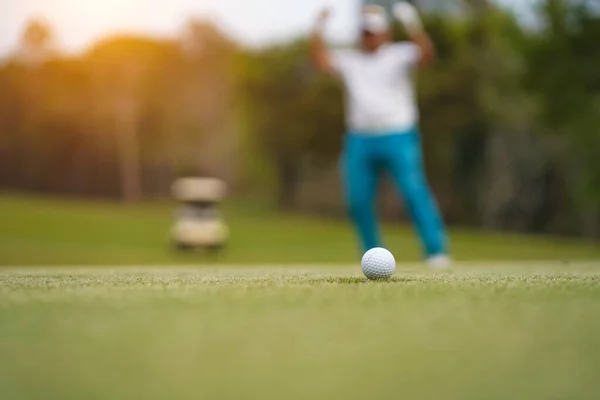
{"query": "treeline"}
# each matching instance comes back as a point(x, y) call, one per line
point(510, 117)
point(121, 120)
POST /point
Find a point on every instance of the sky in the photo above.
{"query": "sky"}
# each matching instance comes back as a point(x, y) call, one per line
point(78, 23)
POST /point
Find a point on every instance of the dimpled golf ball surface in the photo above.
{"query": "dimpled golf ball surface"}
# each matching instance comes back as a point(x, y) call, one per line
point(378, 263)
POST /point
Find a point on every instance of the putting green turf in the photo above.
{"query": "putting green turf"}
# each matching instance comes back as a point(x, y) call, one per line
point(46, 231)
point(504, 331)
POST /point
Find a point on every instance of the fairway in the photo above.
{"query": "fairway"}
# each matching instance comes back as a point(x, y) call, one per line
point(496, 331)
point(51, 231)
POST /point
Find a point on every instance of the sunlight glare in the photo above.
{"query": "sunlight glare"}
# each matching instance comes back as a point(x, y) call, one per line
point(104, 11)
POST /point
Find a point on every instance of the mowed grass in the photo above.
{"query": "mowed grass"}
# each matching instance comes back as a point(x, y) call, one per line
point(48, 231)
point(510, 331)
point(203, 328)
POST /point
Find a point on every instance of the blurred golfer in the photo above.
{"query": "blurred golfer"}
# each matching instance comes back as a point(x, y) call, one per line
point(382, 121)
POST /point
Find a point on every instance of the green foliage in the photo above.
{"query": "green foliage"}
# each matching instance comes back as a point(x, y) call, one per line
point(295, 115)
point(128, 104)
point(509, 117)
point(563, 73)
point(488, 105)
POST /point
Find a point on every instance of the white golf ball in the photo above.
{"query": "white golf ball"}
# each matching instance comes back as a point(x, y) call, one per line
point(378, 263)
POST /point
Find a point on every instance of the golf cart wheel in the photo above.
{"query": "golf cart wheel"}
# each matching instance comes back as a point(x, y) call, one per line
point(184, 247)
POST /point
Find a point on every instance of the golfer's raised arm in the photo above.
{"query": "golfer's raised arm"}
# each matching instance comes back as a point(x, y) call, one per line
point(318, 48)
point(409, 17)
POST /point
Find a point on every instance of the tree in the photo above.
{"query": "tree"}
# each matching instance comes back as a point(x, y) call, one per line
point(37, 43)
point(295, 114)
point(563, 73)
point(121, 68)
point(206, 94)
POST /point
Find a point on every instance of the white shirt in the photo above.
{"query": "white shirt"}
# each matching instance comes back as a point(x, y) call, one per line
point(379, 87)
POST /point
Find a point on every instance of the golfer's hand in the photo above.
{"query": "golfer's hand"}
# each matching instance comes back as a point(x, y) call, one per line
point(408, 16)
point(323, 18)
point(319, 51)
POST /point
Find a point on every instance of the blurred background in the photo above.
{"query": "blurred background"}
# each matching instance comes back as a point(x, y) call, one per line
point(113, 100)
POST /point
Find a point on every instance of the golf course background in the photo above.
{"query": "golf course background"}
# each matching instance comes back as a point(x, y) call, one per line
point(54, 231)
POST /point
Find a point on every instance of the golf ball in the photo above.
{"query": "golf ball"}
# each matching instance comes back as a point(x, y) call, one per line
point(378, 263)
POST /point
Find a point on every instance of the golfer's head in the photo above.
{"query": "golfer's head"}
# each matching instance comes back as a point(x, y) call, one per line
point(375, 28)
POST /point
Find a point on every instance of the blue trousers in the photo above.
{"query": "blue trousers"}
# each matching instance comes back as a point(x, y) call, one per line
point(365, 158)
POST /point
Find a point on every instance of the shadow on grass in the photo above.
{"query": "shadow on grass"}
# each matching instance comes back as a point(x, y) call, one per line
point(358, 280)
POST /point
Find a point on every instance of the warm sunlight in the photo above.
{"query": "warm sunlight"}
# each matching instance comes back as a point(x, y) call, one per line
point(79, 23)
point(100, 10)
